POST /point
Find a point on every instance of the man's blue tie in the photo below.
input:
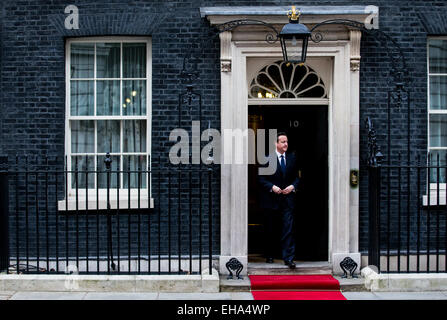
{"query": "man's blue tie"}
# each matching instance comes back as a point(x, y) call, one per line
point(283, 164)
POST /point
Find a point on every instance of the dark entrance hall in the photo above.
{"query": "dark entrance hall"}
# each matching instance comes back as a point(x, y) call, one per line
point(307, 129)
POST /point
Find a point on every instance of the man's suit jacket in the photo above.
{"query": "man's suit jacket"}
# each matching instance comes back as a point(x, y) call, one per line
point(269, 199)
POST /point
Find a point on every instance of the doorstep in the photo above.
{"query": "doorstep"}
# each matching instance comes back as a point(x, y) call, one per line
point(351, 284)
point(346, 285)
point(278, 268)
point(234, 285)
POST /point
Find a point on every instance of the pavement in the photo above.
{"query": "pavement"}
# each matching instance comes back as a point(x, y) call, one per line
point(426, 295)
point(22, 295)
point(352, 289)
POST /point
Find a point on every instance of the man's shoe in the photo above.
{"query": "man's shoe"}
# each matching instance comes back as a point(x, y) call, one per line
point(269, 260)
point(290, 264)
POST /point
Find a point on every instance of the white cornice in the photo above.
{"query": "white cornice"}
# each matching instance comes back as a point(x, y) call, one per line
point(278, 14)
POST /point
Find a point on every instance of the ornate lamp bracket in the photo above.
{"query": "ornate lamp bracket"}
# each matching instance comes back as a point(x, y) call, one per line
point(271, 37)
point(398, 74)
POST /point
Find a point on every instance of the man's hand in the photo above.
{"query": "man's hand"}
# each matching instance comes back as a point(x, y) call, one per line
point(277, 190)
point(288, 189)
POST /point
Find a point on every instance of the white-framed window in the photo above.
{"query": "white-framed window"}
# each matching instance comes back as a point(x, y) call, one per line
point(285, 80)
point(437, 115)
point(108, 110)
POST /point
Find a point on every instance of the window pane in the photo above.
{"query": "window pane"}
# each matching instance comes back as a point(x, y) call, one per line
point(134, 97)
point(108, 60)
point(294, 49)
point(108, 97)
point(258, 92)
point(438, 92)
point(134, 136)
point(102, 173)
point(433, 173)
point(86, 170)
point(108, 136)
point(134, 168)
point(81, 98)
point(438, 56)
point(134, 60)
point(82, 60)
point(438, 130)
point(83, 136)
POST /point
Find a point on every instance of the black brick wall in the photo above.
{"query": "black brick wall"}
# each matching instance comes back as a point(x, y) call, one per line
point(33, 58)
point(2, 113)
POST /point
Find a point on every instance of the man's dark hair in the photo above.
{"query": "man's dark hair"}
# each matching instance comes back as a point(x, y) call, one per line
point(281, 133)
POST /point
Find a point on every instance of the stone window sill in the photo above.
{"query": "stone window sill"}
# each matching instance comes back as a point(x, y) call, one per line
point(434, 199)
point(80, 203)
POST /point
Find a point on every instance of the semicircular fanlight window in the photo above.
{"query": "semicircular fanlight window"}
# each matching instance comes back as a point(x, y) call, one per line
point(287, 81)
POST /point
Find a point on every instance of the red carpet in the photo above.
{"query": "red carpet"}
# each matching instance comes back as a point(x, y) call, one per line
point(299, 287)
point(297, 295)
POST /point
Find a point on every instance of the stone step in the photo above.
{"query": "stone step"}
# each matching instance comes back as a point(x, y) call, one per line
point(352, 284)
point(346, 285)
point(278, 268)
point(287, 271)
point(234, 285)
point(259, 267)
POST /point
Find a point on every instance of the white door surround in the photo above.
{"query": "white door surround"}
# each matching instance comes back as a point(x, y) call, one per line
point(341, 47)
point(323, 67)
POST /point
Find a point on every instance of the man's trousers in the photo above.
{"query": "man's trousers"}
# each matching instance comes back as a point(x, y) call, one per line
point(287, 238)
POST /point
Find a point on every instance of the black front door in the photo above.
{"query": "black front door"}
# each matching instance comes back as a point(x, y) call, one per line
point(307, 129)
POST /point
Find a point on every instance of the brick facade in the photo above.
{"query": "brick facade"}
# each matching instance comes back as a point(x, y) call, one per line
point(33, 77)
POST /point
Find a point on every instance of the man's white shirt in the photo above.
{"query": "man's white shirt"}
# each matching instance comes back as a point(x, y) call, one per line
point(279, 159)
point(279, 156)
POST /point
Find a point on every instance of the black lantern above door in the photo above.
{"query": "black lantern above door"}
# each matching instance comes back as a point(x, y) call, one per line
point(294, 38)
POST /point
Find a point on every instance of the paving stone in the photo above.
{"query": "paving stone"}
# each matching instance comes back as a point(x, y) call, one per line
point(411, 295)
point(241, 296)
point(4, 295)
point(395, 295)
point(48, 295)
point(121, 296)
point(195, 296)
point(359, 295)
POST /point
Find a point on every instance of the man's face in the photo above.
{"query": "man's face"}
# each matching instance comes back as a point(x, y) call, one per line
point(282, 144)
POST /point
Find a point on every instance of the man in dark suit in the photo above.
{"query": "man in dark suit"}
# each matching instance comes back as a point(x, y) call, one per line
point(277, 198)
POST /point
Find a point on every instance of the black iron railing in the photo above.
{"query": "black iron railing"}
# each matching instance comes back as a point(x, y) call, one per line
point(156, 220)
point(408, 216)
